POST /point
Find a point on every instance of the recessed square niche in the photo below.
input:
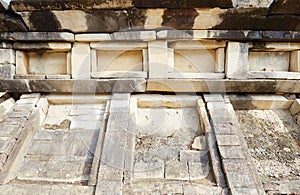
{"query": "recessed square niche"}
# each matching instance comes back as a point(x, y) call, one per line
point(43, 60)
point(274, 60)
point(117, 60)
point(198, 59)
point(269, 61)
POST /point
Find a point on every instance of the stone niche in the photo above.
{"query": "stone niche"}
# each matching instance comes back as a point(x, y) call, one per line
point(117, 60)
point(274, 60)
point(198, 59)
point(43, 60)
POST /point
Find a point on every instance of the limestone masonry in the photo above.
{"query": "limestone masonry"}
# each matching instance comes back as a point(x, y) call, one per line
point(112, 97)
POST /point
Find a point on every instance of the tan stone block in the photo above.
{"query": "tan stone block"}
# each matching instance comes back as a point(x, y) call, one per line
point(169, 101)
point(201, 45)
point(295, 61)
point(7, 56)
point(79, 99)
point(282, 46)
point(47, 63)
point(57, 46)
point(205, 75)
point(58, 77)
point(199, 143)
point(118, 45)
point(119, 74)
point(81, 62)
point(6, 106)
point(237, 64)
point(194, 61)
point(149, 170)
point(269, 61)
point(273, 75)
point(295, 108)
point(22, 63)
point(31, 76)
point(78, 22)
point(220, 60)
point(119, 60)
point(154, 18)
point(158, 59)
point(260, 102)
point(208, 18)
point(92, 37)
point(134, 36)
point(6, 145)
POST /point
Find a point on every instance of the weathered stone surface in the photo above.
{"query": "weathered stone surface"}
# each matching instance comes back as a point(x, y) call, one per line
point(243, 191)
point(110, 173)
point(234, 165)
point(6, 106)
point(227, 140)
point(176, 170)
point(15, 85)
point(158, 59)
point(7, 71)
point(231, 152)
point(6, 145)
point(285, 7)
point(35, 5)
point(236, 60)
point(149, 170)
point(295, 61)
point(194, 156)
point(3, 6)
point(108, 187)
point(260, 102)
point(240, 180)
point(10, 131)
point(194, 189)
point(282, 75)
point(198, 171)
point(269, 61)
point(295, 108)
point(81, 61)
point(183, 4)
point(7, 56)
point(220, 86)
point(57, 46)
point(37, 36)
point(11, 22)
point(86, 21)
point(78, 86)
point(199, 143)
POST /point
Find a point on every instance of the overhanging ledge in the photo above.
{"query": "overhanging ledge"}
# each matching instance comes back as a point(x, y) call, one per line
point(152, 85)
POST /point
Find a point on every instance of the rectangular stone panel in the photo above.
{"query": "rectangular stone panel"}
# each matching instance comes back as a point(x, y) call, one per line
point(269, 61)
point(196, 61)
point(118, 60)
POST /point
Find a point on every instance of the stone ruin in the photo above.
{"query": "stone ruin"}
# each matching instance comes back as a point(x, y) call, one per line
point(150, 97)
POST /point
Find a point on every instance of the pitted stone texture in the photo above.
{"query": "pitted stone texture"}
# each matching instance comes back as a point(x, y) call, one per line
point(34, 5)
point(46, 189)
point(60, 151)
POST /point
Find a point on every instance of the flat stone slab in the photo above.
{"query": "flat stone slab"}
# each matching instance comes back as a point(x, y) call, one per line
point(60, 151)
